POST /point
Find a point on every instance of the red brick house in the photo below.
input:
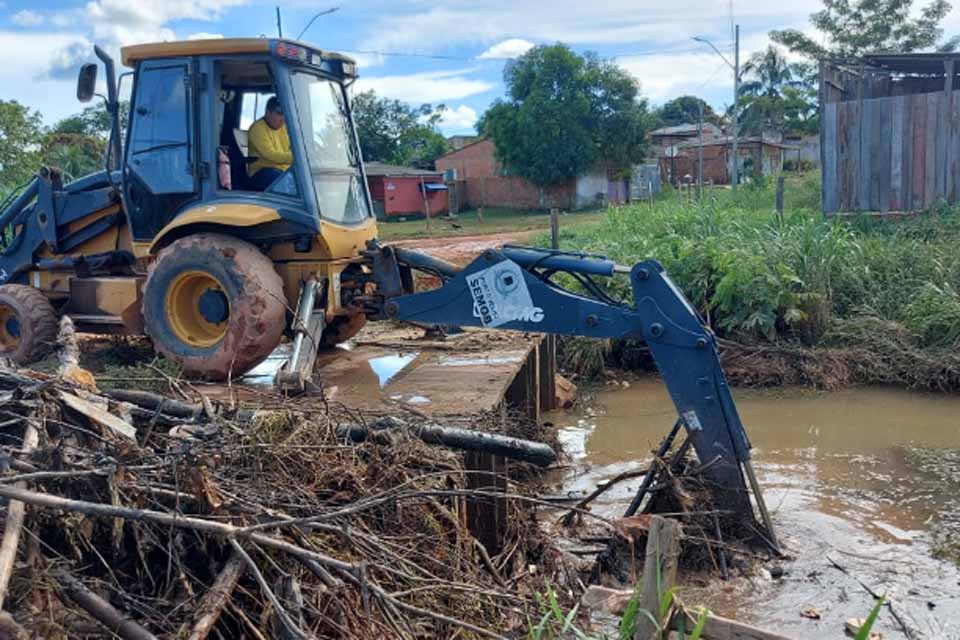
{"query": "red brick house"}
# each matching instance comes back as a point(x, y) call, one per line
point(402, 192)
point(481, 180)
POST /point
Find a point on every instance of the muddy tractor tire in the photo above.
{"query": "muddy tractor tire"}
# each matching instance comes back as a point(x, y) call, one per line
point(28, 324)
point(214, 305)
point(341, 329)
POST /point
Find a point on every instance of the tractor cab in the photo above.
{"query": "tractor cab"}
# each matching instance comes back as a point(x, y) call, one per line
point(192, 108)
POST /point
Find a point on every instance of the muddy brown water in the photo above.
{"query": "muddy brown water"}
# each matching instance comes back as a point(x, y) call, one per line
point(868, 478)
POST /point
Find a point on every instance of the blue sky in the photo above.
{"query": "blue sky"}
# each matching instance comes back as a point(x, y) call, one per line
point(449, 52)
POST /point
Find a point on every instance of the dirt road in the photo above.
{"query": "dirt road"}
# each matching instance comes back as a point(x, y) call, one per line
point(462, 249)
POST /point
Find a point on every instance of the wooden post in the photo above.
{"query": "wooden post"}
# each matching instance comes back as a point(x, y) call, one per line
point(659, 572)
point(554, 228)
point(486, 515)
point(426, 202)
point(780, 181)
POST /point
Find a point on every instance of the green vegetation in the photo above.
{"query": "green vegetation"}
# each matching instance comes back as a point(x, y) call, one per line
point(396, 133)
point(879, 297)
point(494, 221)
point(565, 113)
point(556, 623)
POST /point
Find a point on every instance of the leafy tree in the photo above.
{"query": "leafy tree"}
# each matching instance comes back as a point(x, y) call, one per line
point(857, 27)
point(685, 110)
point(394, 132)
point(21, 130)
point(776, 94)
point(563, 114)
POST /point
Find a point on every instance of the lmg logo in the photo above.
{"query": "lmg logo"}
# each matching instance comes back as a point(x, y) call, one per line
point(530, 314)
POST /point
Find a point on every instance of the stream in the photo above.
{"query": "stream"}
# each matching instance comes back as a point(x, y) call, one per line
point(867, 478)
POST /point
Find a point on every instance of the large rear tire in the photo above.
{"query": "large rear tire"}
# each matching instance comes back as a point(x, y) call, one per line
point(214, 305)
point(28, 324)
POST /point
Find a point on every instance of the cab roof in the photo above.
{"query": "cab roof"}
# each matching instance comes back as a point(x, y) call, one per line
point(214, 46)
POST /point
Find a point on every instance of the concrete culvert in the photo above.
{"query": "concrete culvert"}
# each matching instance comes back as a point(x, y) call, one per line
point(214, 304)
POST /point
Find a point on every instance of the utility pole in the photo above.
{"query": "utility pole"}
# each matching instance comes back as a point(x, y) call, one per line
point(734, 177)
point(279, 24)
point(700, 154)
point(736, 105)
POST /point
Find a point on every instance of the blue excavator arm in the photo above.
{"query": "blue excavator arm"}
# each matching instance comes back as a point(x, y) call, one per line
point(513, 288)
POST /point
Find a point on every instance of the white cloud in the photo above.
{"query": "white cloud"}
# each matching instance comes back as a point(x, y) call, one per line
point(27, 18)
point(624, 22)
point(23, 81)
point(463, 117)
point(510, 48)
point(694, 71)
point(429, 86)
point(203, 35)
point(116, 23)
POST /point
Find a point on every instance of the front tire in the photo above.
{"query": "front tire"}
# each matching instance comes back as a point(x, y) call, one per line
point(214, 305)
point(28, 324)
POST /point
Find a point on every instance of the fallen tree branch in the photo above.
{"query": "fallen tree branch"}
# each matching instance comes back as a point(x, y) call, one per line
point(567, 518)
point(14, 523)
point(101, 610)
point(232, 532)
point(877, 596)
point(215, 599)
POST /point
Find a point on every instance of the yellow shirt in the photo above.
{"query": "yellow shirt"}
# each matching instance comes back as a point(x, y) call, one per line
point(270, 146)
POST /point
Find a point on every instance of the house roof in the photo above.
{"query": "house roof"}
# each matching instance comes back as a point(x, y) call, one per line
point(680, 129)
point(923, 63)
point(466, 146)
point(728, 140)
point(383, 169)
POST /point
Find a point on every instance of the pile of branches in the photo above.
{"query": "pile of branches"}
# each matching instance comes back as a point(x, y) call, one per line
point(132, 517)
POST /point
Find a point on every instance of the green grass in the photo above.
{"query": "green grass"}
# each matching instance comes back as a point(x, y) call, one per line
point(494, 221)
point(801, 279)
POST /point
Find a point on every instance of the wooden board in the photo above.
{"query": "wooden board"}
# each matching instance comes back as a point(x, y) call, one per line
point(863, 170)
point(930, 151)
point(885, 155)
point(831, 181)
point(918, 105)
point(895, 196)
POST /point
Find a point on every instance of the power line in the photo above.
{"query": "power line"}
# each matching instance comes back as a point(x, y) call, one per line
point(432, 56)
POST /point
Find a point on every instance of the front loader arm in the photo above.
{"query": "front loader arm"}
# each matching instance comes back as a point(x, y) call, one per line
point(511, 288)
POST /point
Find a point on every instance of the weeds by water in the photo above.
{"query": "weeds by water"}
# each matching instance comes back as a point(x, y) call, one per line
point(800, 280)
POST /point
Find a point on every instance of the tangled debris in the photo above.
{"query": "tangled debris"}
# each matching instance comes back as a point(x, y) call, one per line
point(156, 518)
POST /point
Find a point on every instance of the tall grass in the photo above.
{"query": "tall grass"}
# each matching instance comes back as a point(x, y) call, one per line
point(757, 277)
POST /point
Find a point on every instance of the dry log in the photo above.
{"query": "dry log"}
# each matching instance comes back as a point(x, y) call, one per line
point(101, 610)
point(14, 522)
point(537, 453)
point(213, 602)
point(156, 402)
point(100, 416)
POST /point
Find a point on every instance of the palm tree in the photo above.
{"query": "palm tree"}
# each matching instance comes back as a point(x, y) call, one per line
point(769, 80)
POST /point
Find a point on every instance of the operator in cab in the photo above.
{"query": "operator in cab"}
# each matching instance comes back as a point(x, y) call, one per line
point(270, 145)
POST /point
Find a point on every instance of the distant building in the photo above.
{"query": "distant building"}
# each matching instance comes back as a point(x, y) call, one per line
point(755, 155)
point(480, 180)
point(459, 142)
point(402, 192)
point(663, 140)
